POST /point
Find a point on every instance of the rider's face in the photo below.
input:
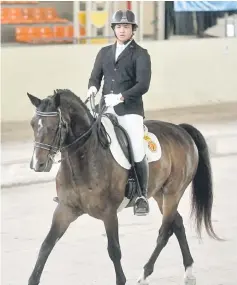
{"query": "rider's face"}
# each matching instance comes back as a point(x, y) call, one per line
point(123, 32)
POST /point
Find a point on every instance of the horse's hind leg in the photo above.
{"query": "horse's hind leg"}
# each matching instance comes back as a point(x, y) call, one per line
point(111, 227)
point(179, 231)
point(62, 218)
point(169, 208)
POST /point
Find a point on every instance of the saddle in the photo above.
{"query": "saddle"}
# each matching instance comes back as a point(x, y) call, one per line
point(122, 137)
point(121, 149)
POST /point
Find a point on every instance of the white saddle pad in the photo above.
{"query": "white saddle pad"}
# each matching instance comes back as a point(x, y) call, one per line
point(151, 145)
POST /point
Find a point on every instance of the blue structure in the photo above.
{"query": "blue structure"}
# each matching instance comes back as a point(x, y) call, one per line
point(202, 6)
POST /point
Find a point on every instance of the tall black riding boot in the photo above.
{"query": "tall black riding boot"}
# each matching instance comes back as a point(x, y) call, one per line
point(141, 207)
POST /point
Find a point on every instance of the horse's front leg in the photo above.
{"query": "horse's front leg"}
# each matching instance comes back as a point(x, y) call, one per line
point(111, 227)
point(62, 218)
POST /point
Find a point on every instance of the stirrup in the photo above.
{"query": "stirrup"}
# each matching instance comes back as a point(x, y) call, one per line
point(141, 206)
point(55, 199)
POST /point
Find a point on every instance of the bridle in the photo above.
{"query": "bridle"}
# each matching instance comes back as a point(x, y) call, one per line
point(58, 141)
point(53, 149)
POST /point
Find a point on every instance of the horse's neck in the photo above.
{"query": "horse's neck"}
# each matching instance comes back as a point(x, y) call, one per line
point(81, 151)
point(81, 122)
point(85, 152)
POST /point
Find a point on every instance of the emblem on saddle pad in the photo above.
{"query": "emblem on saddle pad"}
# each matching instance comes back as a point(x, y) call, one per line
point(151, 144)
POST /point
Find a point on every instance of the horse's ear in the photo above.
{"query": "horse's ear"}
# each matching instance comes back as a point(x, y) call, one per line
point(57, 100)
point(34, 100)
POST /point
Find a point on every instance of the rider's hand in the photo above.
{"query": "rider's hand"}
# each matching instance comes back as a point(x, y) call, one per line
point(112, 100)
point(92, 91)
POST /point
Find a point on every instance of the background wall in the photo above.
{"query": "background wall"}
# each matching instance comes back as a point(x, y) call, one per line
point(184, 73)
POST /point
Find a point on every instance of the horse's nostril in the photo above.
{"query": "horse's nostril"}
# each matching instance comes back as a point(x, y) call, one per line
point(41, 165)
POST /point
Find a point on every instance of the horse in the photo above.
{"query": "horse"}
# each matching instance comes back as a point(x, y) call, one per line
point(90, 181)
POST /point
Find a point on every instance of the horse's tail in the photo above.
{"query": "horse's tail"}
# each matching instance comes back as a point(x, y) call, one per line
point(202, 192)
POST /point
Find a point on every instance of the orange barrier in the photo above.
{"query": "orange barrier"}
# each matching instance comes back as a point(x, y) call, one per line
point(30, 15)
point(45, 34)
point(63, 33)
point(42, 15)
point(34, 34)
point(51, 15)
point(11, 15)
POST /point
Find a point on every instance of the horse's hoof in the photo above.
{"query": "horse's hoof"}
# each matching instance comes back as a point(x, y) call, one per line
point(142, 281)
point(189, 280)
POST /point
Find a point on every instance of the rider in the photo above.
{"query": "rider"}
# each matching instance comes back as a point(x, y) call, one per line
point(126, 68)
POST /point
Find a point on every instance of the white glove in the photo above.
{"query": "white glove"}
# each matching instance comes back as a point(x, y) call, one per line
point(92, 91)
point(112, 100)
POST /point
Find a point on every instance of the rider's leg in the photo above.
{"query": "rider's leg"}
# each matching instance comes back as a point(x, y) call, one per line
point(133, 124)
point(141, 204)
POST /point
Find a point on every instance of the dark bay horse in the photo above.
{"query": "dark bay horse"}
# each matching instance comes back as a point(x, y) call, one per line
point(90, 181)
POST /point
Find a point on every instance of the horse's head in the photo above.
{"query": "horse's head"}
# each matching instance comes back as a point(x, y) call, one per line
point(50, 131)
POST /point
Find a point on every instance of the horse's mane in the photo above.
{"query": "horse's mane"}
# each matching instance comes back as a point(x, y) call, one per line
point(69, 96)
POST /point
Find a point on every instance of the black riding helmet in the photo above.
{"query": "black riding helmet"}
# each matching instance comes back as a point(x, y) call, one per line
point(124, 17)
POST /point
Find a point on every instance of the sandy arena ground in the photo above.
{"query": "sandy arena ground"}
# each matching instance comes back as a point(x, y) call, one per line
point(80, 257)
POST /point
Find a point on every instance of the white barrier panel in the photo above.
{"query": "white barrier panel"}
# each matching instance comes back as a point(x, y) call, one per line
point(184, 73)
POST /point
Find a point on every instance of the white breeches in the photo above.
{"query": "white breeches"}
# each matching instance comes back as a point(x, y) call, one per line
point(133, 124)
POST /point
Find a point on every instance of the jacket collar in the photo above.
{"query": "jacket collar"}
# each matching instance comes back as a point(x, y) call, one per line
point(126, 51)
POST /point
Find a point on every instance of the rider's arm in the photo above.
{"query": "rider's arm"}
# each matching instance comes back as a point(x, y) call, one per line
point(143, 77)
point(97, 72)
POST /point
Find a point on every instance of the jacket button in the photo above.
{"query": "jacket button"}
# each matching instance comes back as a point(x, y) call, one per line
point(112, 79)
point(115, 69)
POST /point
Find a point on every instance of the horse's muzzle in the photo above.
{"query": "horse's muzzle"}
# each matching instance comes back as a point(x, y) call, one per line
point(42, 166)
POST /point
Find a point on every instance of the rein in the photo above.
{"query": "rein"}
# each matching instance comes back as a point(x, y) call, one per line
point(57, 147)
